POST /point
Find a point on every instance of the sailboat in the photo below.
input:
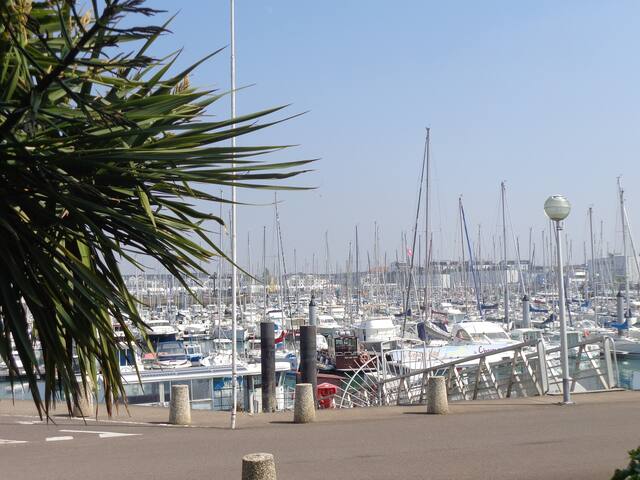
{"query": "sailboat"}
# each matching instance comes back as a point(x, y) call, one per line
point(429, 327)
point(628, 340)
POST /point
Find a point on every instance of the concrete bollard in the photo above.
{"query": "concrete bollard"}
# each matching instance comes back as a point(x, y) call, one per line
point(437, 402)
point(258, 466)
point(179, 407)
point(84, 406)
point(304, 410)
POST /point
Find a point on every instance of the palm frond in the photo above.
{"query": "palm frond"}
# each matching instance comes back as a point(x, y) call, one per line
point(101, 150)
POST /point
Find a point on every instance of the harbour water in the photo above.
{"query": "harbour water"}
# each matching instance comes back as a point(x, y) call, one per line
point(627, 367)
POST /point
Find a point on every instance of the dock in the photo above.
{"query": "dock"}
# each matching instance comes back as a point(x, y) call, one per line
point(526, 438)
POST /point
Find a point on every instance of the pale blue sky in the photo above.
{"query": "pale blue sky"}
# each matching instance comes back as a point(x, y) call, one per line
point(544, 95)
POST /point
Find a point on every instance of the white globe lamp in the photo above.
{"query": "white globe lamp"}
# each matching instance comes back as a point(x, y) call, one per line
point(557, 208)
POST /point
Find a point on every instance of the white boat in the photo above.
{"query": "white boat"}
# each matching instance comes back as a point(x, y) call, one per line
point(197, 328)
point(375, 329)
point(226, 332)
point(337, 312)
point(321, 343)
point(627, 345)
point(326, 324)
point(170, 355)
point(160, 330)
point(194, 353)
point(469, 339)
point(209, 386)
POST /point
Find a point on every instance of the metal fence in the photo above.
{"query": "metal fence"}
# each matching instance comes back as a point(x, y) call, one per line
point(522, 370)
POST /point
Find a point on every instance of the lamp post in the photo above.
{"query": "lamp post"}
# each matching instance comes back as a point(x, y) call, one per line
point(557, 209)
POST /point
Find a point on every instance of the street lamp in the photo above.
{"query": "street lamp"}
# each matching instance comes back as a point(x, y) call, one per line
point(557, 209)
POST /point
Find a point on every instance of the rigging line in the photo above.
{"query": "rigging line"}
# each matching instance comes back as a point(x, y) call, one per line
point(517, 249)
point(633, 247)
point(284, 269)
point(471, 265)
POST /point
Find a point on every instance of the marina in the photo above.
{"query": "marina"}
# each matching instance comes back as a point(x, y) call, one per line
point(267, 240)
point(357, 352)
point(501, 438)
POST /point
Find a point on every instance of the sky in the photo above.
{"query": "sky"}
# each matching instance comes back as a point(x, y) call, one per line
point(542, 95)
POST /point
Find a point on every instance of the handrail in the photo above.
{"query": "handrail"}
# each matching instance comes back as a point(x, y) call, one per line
point(517, 346)
point(531, 369)
point(588, 341)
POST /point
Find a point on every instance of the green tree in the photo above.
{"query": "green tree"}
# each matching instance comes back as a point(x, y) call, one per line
point(104, 154)
point(632, 472)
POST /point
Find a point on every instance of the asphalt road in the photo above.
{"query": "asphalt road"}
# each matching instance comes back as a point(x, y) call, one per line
point(508, 439)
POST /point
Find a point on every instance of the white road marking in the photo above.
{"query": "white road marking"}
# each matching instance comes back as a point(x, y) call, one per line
point(103, 434)
point(9, 442)
point(21, 422)
point(57, 439)
point(102, 420)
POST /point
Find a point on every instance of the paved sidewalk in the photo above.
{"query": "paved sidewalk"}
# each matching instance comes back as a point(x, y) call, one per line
point(505, 439)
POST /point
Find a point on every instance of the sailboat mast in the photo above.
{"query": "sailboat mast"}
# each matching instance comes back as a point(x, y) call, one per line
point(594, 288)
point(357, 274)
point(248, 297)
point(327, 269)
point(427, 302)
point(531, 258)
point(624, 244)
point(633, 247)
point(471, 261)
point(506, 269)
point(463, 272)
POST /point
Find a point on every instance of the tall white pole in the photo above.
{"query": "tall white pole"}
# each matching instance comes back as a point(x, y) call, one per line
point(234, 221)
point(564, 351)
point(592, 270)
point(427, 252)
point(624, 247)
point(506, 267)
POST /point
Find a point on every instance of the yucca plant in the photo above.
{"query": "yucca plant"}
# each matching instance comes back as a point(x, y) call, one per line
point(105, 156)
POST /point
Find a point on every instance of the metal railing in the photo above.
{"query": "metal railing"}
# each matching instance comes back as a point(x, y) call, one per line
point(521, 370)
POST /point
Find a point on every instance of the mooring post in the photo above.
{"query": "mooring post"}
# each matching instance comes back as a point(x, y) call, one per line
point(309, 357)
point(619, 307)
point(268, 365)
point(312, 310)
point(526, 321)
point(619, 311)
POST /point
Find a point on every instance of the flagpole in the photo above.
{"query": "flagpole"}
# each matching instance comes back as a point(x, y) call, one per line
point(234, 271)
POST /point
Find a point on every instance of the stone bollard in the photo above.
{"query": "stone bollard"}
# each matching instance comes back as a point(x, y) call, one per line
point(437, 402)
point(258, 466)
point(84, 406)
point(179, 407)
point(304, 410)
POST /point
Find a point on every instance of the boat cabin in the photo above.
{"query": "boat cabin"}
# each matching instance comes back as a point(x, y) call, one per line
point(345, 352)
point(526, 334)
point(479, 332)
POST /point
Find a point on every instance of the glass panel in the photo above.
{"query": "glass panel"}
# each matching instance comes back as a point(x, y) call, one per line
point(200, 389)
